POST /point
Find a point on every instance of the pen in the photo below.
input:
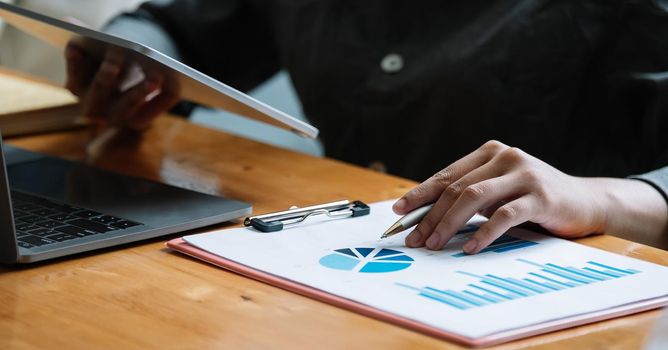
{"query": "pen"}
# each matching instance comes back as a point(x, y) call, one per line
point(408, 220)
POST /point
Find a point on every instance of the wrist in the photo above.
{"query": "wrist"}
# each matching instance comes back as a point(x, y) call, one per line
point(630, 208)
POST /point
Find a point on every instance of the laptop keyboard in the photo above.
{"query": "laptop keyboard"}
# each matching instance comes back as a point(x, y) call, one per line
point(40, 222)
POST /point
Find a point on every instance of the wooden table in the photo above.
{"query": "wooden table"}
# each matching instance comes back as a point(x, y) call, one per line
point(143, 295)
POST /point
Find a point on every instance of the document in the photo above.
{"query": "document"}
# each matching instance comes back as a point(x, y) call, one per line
point(524, 283)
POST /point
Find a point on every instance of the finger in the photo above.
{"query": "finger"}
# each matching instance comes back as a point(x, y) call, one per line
point(487, 212)
point(104, 85)
point(151, 110)
point(448, 197)
point(507, 216)
point(130, 102)
point(419, 235)
point(80, 68)
point(431, 189)
point(472, 198)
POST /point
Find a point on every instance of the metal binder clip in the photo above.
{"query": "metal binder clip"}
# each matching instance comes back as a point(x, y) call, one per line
point(276, 221)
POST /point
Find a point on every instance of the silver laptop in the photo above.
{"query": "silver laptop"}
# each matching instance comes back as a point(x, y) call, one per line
point(51, 207)
point(191, 84)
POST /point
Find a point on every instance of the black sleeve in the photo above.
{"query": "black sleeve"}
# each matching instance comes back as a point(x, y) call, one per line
point(640, 59)
point(226, 39)
point(642, 46)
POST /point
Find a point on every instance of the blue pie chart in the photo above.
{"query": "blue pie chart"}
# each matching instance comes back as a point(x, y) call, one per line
point(367, 260)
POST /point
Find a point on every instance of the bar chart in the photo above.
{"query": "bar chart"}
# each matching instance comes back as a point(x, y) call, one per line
point(547, 278)
point(502, 244)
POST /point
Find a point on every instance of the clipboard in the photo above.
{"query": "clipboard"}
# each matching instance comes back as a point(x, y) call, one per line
point(234, 260)
point(182, 246)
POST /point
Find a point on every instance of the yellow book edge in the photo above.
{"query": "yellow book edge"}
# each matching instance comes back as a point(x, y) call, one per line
point(31, 105)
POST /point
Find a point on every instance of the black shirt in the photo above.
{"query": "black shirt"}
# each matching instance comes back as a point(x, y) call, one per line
point(580, 84)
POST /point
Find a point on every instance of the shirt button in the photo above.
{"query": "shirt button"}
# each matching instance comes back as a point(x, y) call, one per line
point(392, 63)
point(378, 166)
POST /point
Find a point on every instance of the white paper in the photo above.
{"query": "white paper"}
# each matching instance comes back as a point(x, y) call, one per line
point(422, 289)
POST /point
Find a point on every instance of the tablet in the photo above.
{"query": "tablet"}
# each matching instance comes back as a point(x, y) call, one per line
point(189, 83)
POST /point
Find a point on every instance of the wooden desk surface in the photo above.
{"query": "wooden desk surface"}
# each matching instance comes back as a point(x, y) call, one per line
point(143, 296)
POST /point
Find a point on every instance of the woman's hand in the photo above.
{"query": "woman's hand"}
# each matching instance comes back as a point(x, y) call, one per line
point(111, 91)
point(510, 187)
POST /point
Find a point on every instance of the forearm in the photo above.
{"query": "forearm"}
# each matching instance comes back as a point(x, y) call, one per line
point(632, 209)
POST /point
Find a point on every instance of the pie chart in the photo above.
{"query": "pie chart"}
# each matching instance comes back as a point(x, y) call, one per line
point(367, 260)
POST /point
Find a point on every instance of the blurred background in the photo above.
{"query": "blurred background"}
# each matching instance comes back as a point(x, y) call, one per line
point(22, 52)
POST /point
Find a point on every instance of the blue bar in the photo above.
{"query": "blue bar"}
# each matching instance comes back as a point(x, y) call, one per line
point(455, 295)
point(588, 272)
point(504, 244)
point(605, 273)
point(547, 268)
point(585, 273)
point(516, 246)
point(494, 248)
point(565, 284)
point(502, 286)
point(577, 274)
point(493, 297)
point(465, 297)
point(628, 272)
point(471, 274)
point(488, 298)
point(620, 274)
point(409, 287)
point(554, 272)
point(549, 286)
point(526, 285)
point(530, 262)
point(632, 271)
point(507, 297)
point(564, 275)
point(445, 301)
point(505, 240)
point(530, 291)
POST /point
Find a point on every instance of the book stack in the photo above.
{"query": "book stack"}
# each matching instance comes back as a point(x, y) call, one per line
point(28, 105)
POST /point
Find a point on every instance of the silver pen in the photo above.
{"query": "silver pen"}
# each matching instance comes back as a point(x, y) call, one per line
point(409, 220)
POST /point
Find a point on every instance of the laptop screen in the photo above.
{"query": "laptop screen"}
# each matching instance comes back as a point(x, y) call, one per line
point(8, 244)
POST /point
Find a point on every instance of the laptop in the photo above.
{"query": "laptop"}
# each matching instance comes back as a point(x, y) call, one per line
point(52, 207)
point(191, 84)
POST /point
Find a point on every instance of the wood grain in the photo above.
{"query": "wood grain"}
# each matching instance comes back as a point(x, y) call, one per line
point(143, 296)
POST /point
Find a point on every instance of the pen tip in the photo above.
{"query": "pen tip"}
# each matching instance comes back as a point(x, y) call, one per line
point(396, 228)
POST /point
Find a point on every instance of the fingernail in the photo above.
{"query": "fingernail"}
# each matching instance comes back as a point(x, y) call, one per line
point(400, 205)
point(471, 246)
point(432, 242)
